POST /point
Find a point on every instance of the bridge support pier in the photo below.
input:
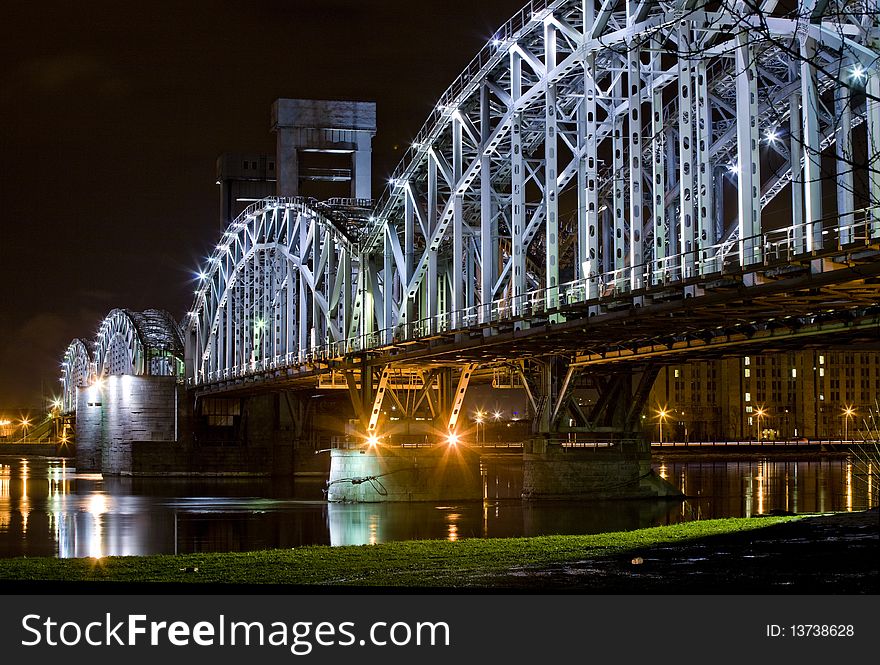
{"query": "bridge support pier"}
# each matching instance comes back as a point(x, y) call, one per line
point(406, 445)
point(588, 442)
point(383, 473)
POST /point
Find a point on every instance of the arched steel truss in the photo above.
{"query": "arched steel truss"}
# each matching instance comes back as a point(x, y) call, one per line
point(147, 342)
point(594, 150)
point(76, 372)
point(278, 283)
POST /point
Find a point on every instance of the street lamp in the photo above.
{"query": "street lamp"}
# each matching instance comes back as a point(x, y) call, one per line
point(662, 414)
point(848, 412)
point(760, 412)
point(478, 418)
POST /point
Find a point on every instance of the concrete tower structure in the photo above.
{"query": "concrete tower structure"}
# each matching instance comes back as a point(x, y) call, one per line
point(308, 125)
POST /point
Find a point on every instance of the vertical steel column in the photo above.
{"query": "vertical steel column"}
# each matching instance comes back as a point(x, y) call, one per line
point(302, 308)
point(658, 188)
point(705, 208)
point(845, 166)
point(517, 188)
point(430, 281)
point(290, 287)
point(618, 165)
point(457, 225)
point(796, 154)
point(488, 228)
point(588, 226)
point(748, 165)
point(551, 195)
point(636, 197)
point(346, 269)
point(812, 149)
point(872, 103)
point(331, 271)
point(385, 325)
point(315, 309)
point(686, 225)
point(406, 270)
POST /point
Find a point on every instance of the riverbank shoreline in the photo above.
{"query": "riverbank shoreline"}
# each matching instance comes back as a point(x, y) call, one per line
point(827, 554)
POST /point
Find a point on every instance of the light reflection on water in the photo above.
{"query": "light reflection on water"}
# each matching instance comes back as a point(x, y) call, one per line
point(47, 509)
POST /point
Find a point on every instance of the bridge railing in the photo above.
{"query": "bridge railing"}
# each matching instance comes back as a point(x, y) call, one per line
point(775, 248)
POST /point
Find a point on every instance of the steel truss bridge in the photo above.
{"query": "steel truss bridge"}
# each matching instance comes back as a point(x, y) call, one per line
point(606, 181)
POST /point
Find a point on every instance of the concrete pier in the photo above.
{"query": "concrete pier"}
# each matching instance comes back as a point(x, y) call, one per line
point(393, 473)
point(618, 469)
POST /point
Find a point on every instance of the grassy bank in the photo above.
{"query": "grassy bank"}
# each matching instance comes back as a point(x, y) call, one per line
point(399, 564)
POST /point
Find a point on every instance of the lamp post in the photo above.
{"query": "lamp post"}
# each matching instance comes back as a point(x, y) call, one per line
point(662, 415)
point(848, 412)
point(478, 418)
point(760, 413)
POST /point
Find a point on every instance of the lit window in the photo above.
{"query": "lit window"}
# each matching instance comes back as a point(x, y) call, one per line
point(821, 371)
point(821, 360)
point(821, 397)
point(748, 397)
point(747, 361)
point(748, 409)
point(747, 372)
point(750, 420)
point(677, 374)
point(794, 372)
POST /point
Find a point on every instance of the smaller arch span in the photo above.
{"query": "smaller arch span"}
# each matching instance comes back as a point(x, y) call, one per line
point(140, 343)
point(76, 372)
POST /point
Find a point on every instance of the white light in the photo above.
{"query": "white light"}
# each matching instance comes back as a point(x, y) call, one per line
point(771, 136)
point(452, 439)
point(496, 42)
point(858, 72)
point(733, 168)
point(372, 440)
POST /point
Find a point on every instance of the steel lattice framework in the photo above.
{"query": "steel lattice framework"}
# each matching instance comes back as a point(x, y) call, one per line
point(128, 342)
point(593, 151)
point(76, 372)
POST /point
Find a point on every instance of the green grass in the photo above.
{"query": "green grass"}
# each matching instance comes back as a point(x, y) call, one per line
point(418, 563)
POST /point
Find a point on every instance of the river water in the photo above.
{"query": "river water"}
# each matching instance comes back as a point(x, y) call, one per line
point(48, 509)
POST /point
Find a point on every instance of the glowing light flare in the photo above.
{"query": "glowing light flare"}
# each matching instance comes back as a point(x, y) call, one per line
point(452, 439)
point(372, 440)
point(857, 73)
point(771, 136)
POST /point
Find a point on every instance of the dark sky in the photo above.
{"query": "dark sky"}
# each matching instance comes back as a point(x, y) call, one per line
point(112, 115)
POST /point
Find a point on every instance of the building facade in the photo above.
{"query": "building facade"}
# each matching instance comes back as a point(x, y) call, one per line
point(813, 394)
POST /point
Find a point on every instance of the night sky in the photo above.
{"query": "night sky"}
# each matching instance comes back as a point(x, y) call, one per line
point(112, 115)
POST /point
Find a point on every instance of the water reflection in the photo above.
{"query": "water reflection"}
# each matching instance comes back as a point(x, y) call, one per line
point(48, 509)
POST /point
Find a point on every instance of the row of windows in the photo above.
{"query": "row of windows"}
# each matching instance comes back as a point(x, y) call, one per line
point(253, 165)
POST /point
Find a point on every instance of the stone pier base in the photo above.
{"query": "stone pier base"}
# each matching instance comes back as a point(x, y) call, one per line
point(619, 469)
point(394, 473)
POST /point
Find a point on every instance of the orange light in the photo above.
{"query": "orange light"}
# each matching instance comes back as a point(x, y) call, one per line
point(372, 440)
point(452, 439)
